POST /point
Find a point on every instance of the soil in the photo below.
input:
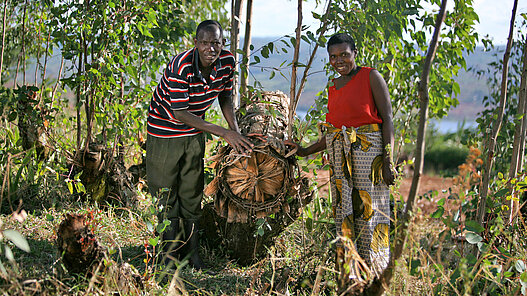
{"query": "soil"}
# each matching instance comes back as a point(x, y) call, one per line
point(431, 189)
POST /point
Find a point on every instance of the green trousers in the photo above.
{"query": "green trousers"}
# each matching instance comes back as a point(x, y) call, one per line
point(177, 165)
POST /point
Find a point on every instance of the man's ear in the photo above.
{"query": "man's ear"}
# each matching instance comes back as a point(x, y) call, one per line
point(223, 41)
point(195, 42)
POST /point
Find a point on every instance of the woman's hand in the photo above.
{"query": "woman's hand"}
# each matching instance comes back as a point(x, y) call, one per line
point(388, 173)
point(294, 147)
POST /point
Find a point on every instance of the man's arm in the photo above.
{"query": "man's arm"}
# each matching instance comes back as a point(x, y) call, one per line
point(381, 97)
point(227, 108)
point(233, 137)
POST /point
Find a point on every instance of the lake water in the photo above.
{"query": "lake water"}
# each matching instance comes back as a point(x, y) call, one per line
point(450, 126)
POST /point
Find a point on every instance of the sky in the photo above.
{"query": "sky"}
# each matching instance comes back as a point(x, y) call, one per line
point(278, 17)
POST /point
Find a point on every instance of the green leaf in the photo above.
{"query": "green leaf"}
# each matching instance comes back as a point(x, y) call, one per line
point(265, 52)
point(473, 238)
point(414, 266)
point(49, 217)
point(153, 241)
point(309, 224)
point(474, 226)
point(503, 192)
point(523, 277)
point(161, 227)
point(508, 274)
point(80, 187)
point(12, 116)
point(438, 213)
point(16, 238)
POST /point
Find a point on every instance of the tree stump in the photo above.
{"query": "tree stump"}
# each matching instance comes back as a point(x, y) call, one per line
point(82, 254)
point(77, 245)
point(32, 121)
point(104, 175)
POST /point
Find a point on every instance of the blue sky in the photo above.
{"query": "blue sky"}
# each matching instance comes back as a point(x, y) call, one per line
point(278, 17)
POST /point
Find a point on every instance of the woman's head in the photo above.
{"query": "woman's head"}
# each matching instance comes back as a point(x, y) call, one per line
point(341, 38)
point(342, 53)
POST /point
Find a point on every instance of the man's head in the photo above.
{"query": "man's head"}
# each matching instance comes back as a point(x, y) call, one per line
point(209, 42)
point(342, 53)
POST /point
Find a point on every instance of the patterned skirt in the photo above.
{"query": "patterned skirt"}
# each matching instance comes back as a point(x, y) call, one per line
point(361, 201)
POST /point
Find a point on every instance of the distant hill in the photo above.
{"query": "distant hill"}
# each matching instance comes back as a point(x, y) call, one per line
point(473, 89)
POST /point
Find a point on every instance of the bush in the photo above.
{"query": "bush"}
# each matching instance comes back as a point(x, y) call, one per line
point(444, 157)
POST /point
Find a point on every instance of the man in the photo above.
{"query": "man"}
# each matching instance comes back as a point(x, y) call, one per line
point(175, 148)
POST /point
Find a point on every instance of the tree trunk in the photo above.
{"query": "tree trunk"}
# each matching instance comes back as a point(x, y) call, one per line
point(58, 79)
point(24, 44)
point(490, 144)
point(378, 285)
point(519, 135)
point(236, 6)
point(244, 79)
point(294, 67)
point(3, 41)
point(311, 58)
point(77, 103)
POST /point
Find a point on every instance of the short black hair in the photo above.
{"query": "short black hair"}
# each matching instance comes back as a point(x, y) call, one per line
point(208, 25)
point(340, 38)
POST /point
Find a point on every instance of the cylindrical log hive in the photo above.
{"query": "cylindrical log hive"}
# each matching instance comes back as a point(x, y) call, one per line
point(257, 184)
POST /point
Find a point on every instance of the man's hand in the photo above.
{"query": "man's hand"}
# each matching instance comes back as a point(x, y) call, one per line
point(238, 142)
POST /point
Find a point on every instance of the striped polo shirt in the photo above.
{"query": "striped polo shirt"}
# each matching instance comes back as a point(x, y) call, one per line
point(182, 87)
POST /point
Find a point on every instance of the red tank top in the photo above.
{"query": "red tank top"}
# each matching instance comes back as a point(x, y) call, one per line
point(352, 105)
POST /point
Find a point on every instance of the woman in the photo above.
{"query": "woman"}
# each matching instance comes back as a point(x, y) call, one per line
point(358, 138)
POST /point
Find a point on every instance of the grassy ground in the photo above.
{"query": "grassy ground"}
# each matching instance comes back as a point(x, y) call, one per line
point(301, 262)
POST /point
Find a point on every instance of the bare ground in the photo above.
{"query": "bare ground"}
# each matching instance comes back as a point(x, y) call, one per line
point(431, 189)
